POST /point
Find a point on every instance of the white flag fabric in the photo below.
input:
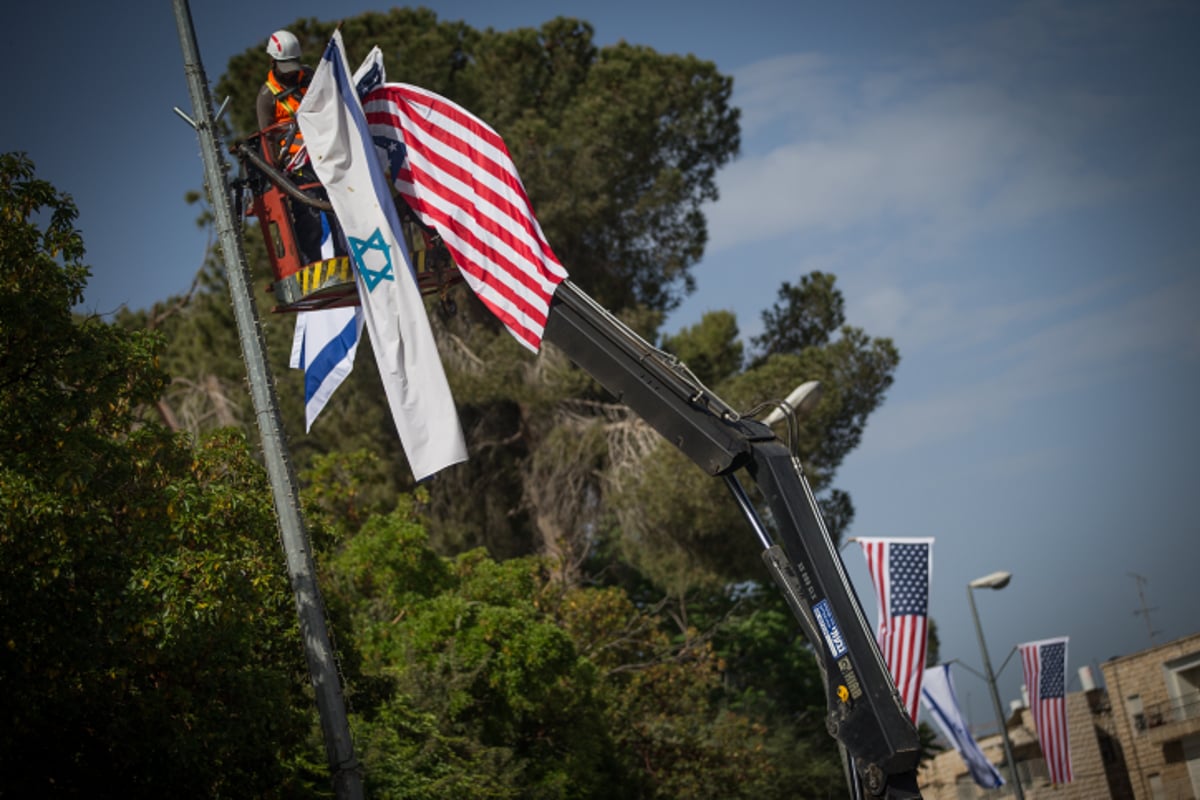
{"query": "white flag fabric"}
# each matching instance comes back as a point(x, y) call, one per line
point(344, 158)
point(937, 693)
point(457, 175)
point(324, 347)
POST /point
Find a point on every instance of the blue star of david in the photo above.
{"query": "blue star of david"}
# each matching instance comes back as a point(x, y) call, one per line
point(359, 249)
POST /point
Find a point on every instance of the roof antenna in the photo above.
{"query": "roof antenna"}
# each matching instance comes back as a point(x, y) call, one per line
point(1144, 611)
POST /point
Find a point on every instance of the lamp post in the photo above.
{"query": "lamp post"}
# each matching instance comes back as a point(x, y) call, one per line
point(803, 399)
point(997, 580)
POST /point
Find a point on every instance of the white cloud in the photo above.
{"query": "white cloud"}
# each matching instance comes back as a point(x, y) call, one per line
point(1157, 323)
point(955, 158)
point(1060, 343)
point(810, 83)
point(952, 317)
point(903, 180)
point(985, 128)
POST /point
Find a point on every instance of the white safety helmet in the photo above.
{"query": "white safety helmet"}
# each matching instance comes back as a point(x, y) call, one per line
point(283, 46)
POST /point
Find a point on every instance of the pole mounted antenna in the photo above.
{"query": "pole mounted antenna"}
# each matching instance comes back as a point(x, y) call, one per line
point(1145, 610)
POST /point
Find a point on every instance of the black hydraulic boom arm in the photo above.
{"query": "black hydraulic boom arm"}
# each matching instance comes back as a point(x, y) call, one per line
point(878, 740)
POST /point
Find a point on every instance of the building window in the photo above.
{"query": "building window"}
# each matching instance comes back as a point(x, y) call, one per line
point(1157, 792)
point(1188, 679)
point(1183, 686)
point(1137, 716)
point(1191, 755)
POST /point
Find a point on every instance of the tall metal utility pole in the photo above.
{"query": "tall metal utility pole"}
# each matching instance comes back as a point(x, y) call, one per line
point(339, 748)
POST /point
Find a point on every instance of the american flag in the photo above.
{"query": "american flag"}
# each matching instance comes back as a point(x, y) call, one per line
point(900, 570)
point(1046, 679)
point(459, 178)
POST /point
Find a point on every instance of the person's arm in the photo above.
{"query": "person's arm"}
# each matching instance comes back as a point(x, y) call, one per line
point(264, 108)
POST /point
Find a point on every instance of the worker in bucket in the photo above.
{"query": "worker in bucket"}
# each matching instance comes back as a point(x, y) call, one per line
point(280, 96)
point(276, 105)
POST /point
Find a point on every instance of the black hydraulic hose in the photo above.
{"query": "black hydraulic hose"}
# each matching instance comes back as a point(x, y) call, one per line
point(279, 179)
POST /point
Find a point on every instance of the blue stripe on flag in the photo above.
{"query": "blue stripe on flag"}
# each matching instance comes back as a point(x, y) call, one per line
point(940, 699)
point(332, 354)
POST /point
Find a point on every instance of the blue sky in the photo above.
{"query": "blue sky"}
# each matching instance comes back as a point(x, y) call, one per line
point(1009, 191)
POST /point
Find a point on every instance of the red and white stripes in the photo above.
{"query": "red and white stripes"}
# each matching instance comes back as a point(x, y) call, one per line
point(900, 570)
point(1045, 665)
point(459, 178)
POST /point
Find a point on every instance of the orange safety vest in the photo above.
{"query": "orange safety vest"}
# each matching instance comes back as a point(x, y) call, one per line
point(287, 102)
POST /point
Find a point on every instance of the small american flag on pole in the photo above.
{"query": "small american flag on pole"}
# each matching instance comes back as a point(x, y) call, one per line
point(900, 570)
point(456, 174)
point(1046, 679)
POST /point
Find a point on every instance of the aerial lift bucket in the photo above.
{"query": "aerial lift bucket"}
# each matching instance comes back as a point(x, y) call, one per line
point(327, 283)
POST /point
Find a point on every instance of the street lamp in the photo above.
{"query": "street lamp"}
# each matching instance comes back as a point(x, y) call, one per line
point(997, 580)
point(803, 398)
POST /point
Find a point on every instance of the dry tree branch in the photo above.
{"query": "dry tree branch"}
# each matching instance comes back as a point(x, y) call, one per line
point(473, 363)
point(197, 402)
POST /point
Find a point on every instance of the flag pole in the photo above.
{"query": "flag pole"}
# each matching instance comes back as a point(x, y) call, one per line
point(339, 748)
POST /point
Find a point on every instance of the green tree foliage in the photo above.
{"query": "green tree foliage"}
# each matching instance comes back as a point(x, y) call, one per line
point(618, 147)
point(506, 684)
point(148, 644)
point(490, 699)
point(804, 316)
point(710, 348)
point(675, 522)
point(933, 646)
point(686, 676)
point(150, 639)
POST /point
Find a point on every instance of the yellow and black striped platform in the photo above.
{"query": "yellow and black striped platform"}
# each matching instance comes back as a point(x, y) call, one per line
point(330, 283)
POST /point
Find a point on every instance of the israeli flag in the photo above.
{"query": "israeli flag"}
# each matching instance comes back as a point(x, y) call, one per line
point(325, 342)
point(344, 158)
point(937, 692)
point(324, 347)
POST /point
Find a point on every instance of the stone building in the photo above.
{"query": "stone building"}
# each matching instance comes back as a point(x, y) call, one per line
point(1096, 760)
point(1156, 696)
point(1136, 739)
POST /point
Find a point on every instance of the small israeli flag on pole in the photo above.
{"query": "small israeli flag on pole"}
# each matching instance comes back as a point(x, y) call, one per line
point(937, 692)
